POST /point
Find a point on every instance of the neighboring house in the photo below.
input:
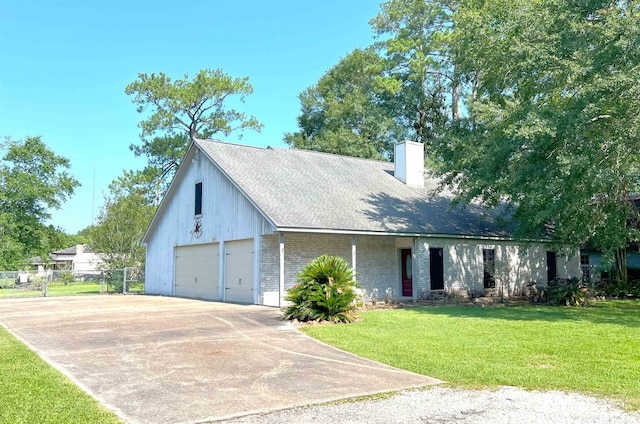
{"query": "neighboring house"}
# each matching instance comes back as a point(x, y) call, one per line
point(593, 265)
point(238, 223)
point(592, 261)
point(78, 259)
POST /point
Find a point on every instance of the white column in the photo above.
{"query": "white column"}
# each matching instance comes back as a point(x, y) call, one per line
point(256, 268)
point(353, 257)
point(414, 267)
point(281, 289)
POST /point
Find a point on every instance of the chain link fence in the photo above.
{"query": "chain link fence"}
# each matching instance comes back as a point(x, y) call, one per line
point(68, 283)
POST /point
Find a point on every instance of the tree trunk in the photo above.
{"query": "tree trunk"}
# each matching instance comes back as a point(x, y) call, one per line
point(455, 96)
point(621, 265)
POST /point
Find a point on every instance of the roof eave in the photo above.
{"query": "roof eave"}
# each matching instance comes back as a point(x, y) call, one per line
point(179, 174)
point(237, 187)
point(163, 203)
point(283, 229)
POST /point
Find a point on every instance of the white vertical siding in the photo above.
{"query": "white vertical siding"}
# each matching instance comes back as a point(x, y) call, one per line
point(226, 215)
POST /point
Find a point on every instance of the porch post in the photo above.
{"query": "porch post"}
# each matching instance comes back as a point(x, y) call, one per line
point(353, 257)
point(414, 268)
point(281, 286)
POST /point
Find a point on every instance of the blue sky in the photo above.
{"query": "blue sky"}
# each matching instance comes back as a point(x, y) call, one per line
point(64, 66)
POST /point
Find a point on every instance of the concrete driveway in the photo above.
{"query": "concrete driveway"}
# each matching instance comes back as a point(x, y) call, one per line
point(169, 360)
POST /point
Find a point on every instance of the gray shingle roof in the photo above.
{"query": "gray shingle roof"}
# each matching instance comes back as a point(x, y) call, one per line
point(300, 189)
point(71, 250)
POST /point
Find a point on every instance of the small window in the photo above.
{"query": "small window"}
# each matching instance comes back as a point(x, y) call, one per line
point(552, 267)
point(489, 268)
point(198, 209)
point(585, 266)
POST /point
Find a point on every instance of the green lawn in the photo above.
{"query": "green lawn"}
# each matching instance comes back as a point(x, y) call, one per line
point(594, 350)
point(57, 288)
point(33, 392)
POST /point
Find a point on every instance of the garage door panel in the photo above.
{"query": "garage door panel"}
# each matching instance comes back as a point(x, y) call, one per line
point(196, 274)
point(239, 271)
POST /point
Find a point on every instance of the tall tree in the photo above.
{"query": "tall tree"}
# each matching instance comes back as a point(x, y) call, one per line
point(33, 180)
point(415, 42)
point(121, 223)
point(405, 86)
point(181, 110)
point(554, 117)
point(346, 112)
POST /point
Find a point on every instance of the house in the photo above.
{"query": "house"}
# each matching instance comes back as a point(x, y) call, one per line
point(593, 263)
point(78, 259)
point(238, 223)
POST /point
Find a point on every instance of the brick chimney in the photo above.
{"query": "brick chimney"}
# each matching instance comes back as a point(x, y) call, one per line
point(409, 163)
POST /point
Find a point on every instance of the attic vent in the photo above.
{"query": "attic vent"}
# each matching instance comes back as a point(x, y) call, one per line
point(409, 163)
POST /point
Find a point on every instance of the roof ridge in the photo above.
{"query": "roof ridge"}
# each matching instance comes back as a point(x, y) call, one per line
point(229, 143)
point(295, 149)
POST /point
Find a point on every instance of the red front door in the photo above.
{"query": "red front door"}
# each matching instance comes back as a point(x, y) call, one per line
point(407, 272)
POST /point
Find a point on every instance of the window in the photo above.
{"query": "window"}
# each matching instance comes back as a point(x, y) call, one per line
point(489, 268)
point(436, 268)
point(198, 202)
point(552, 268)
point(585, 267)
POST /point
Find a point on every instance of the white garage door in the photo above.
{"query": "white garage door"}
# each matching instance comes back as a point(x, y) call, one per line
point(197, 271)
point(239, 271)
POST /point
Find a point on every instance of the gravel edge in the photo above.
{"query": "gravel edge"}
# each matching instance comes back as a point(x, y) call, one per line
point(444, 405)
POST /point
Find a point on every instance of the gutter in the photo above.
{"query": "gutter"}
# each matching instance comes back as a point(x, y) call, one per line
point(397, 234)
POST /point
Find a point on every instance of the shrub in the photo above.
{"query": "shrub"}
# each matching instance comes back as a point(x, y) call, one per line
point(325, 291)
point(67, 278)
point(617, 289)
point(566, 292)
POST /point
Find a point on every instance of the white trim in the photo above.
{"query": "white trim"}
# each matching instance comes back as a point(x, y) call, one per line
point(172, 187)
point(233, 183)
point(184, 164)
point(256, 270)
point(198, 215)
point(414, 267)
point(175, 260)
point(221, 270)
point(386, 233)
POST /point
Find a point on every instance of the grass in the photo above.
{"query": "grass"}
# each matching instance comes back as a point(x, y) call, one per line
point(593, 350)
point(57, 288)
point(31, 391)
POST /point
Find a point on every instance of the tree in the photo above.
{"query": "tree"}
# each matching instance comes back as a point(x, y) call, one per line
point(553, 125)
point(405, 86)
point(33, 180)
point(416, 36)
point(346, 112)
point(121, 223)
point(183, 110)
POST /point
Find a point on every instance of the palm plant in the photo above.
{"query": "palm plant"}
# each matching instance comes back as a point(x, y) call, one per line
point(325, 291)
